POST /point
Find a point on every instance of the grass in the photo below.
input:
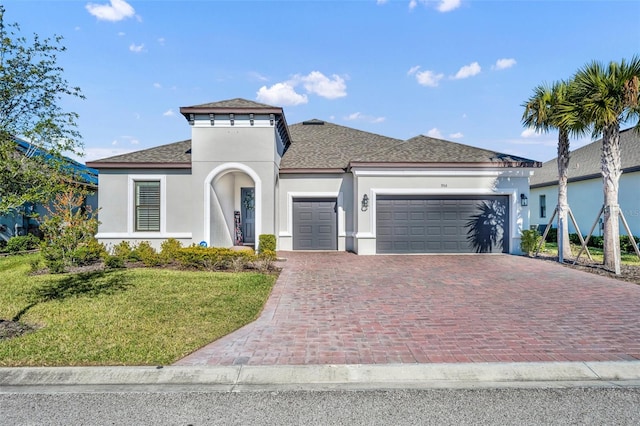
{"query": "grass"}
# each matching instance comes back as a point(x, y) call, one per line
point(122, 317)
point(627, 258)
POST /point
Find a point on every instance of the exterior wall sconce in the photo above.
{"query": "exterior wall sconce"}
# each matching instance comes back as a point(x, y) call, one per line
point(524, 201)
point(232, 118)
point(365, 203)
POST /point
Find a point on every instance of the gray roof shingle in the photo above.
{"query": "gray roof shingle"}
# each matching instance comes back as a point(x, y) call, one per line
point(319, 145)
point(177, 152)
point(584, 162)
point(316, 144)
point(236, 103)
point(425, 149)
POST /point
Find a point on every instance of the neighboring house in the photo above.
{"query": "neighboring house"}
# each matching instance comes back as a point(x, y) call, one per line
point(315, 185)
point(585, 193)
point(26, 219)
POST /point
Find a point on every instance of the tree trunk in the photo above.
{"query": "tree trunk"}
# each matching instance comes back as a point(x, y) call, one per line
point(564, 247)
point(611, 171)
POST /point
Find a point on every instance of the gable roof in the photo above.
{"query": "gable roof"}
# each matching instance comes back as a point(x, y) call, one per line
point(317, 144)
point(175, 155)
point(234, 104)
point(424, 149)
point(322, 147)
point(584, 162)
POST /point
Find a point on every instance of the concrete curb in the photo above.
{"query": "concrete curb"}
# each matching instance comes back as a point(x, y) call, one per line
point(319, 376)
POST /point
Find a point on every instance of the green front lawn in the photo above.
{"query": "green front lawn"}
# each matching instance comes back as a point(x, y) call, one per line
point(122, 317)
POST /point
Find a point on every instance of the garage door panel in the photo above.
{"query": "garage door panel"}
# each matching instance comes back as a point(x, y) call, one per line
point(442, 224)
point(315, 224)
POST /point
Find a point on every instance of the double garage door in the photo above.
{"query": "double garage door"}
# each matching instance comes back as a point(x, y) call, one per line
point(442, 224)
point(315, 224)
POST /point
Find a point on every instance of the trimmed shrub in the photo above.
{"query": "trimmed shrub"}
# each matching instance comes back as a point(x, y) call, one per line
point(122, 250)
point(266, 242)
point(113, 262)
point(169, 250)
point(265, 261)
point(146, 254)
point(530, 241)
point(22, 243)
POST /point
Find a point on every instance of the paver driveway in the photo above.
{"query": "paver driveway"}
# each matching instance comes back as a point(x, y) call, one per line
point(339, 308)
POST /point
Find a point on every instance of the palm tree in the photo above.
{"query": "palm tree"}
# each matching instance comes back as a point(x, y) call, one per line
point(548, 109)
point(610, 96)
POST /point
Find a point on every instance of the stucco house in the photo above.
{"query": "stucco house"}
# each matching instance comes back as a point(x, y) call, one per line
point(584, 187)
point(314, 185)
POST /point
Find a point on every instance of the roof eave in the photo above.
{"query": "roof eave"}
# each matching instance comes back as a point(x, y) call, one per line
point(449, 165)
point(138, 165)
point(311, 170)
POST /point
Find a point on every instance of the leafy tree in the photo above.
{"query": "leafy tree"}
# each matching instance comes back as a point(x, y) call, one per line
point(609, 96)
point(548, 109)
point(31, 89)
point(69, 232)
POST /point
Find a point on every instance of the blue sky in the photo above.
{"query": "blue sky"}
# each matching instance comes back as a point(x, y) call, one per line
point(454, 69)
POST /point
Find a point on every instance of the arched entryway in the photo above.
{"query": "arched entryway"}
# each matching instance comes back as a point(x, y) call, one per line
point(233, 206)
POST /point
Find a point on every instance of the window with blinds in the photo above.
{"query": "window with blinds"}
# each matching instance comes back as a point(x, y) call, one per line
point(148, 206)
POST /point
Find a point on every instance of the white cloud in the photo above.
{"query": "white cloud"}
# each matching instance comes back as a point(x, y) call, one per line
point(429, 78)
point(434, 133)
point(530, 132)
point(161, 41)
point(457, 135)
point(317, 83)
point(364, 117)
point(381, 1)
point(468, 71)
point(116, 10)
point(448, 5)
point(313, 83)
point(442, 5)
point(122, 34)
point(136, 48)
point(413, 70)
point(169, 113)
point(157, 85)
point(281, 94)
point(503, 64)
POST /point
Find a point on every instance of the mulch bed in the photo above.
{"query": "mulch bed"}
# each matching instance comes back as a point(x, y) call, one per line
point(629, 273)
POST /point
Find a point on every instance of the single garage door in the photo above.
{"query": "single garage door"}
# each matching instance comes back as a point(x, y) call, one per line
point(315, 224)
point(442, 224)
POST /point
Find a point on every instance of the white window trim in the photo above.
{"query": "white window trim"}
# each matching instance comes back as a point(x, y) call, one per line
point(340, 205)
point(131, 206)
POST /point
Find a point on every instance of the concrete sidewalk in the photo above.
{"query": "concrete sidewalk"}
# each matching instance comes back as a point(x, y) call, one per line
point(318, 377)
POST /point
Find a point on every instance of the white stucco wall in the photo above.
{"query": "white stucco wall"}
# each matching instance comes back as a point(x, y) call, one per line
point(116, 204)
point(439, 182)
point(586, 199)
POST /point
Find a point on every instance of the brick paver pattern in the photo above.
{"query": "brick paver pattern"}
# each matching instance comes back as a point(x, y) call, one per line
point(340, 308)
